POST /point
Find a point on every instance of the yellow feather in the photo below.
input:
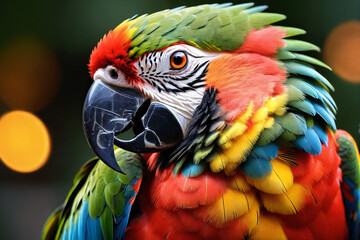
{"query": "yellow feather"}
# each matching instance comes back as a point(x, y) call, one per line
point(238, 151)
point(231, 205)
point(232, 132)
point(242, 146)
point(280, 111)
point(290, 202)
point(232, 172)
point(260, 114)
point(276, 102)
point(249, 220)
point(211, 47)
point(237, 140)
point(217, 164)
point(278, 182)
point(239, 183)
point(194, 44)
point(226, 145)
point(268, 228)
point(127, 24)
point(269, 122)
point(246, 116)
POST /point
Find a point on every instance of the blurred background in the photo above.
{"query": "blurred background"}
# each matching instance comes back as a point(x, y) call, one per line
point(44, 51)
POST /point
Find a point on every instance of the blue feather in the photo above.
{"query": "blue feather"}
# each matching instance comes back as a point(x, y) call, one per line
point(323, 112)
point(313, 90)
point(192, 169)
point(351, 208)
point(122, 221)
point(84, 227)
point(266, 152)
point(81, 226)
point(302, 69)
point(322, 134)
point(256, 9)
point(66, 233)
point(326, 98)
point(93, 228)
point(256, 167)
point(310, 142)
point(303, 86)
point(177, 8)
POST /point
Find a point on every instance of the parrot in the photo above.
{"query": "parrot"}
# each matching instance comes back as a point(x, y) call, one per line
point(210, 122)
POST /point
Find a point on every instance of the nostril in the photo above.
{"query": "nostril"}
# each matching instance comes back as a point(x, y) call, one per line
point(113, 74)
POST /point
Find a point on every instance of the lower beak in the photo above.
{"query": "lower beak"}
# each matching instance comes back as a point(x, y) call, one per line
point(109, 110)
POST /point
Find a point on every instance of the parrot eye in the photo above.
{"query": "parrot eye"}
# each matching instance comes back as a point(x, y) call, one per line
point(113, 74)
point(178, 60)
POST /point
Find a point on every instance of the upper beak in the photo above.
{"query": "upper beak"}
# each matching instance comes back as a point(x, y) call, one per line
point(109, 110)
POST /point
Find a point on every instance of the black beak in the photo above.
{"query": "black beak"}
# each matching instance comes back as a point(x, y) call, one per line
point(110, 110)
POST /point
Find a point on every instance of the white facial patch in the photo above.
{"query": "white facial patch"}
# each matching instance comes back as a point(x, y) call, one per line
point(112, 76)
point(181, 90)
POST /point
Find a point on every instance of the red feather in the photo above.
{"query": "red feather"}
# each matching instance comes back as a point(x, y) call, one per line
point(323, 213)
point(265, 41)
point(245, 77)
point(113, 49)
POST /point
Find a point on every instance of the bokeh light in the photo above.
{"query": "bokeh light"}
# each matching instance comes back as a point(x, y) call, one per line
point(342, 51)
point(29, 75)
point(24, 141)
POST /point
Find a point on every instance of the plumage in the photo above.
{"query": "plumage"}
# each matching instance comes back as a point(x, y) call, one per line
point(256, 167)
point(310, 142)
point(302, 69)
point(298, 45)
point(278, 182)
point(233, 134)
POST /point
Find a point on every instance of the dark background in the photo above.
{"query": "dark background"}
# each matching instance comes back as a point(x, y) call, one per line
point(70, 29)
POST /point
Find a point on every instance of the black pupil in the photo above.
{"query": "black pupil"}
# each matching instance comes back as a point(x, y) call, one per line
point(113, 74)
point(178, 58)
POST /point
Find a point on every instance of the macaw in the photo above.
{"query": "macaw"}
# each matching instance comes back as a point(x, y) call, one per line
point(223, 129)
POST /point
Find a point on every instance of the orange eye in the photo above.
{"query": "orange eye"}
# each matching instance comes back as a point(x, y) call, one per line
point(178, 60)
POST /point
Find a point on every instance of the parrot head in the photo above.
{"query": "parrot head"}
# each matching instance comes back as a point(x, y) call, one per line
point(186, 80)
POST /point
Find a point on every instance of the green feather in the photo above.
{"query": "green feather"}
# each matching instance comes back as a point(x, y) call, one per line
point(294, 123)
point(178, 165)
point(298, 45)
point(282, 54)
point(291, 31)
point(107, 226)
point(97, 200)
point(304, 106)
point(101, 187)
point(202, 154)
point(349, 160)
point(258, 20)
point(52, 225)
point(311, 60)
point(210, 139)
point(294, 94)
point(288, 136)
point(269, 135)
point(120, 204)
point(309, 122)
point(210, 27)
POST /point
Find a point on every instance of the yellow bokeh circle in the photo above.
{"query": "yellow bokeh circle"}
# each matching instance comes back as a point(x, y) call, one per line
point(24, 141)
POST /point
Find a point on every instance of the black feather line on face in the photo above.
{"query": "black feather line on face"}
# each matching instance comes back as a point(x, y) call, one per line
point(205, 116)
point(171, 81)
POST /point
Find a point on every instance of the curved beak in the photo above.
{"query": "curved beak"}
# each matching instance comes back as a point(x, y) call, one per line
point(110, 110)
